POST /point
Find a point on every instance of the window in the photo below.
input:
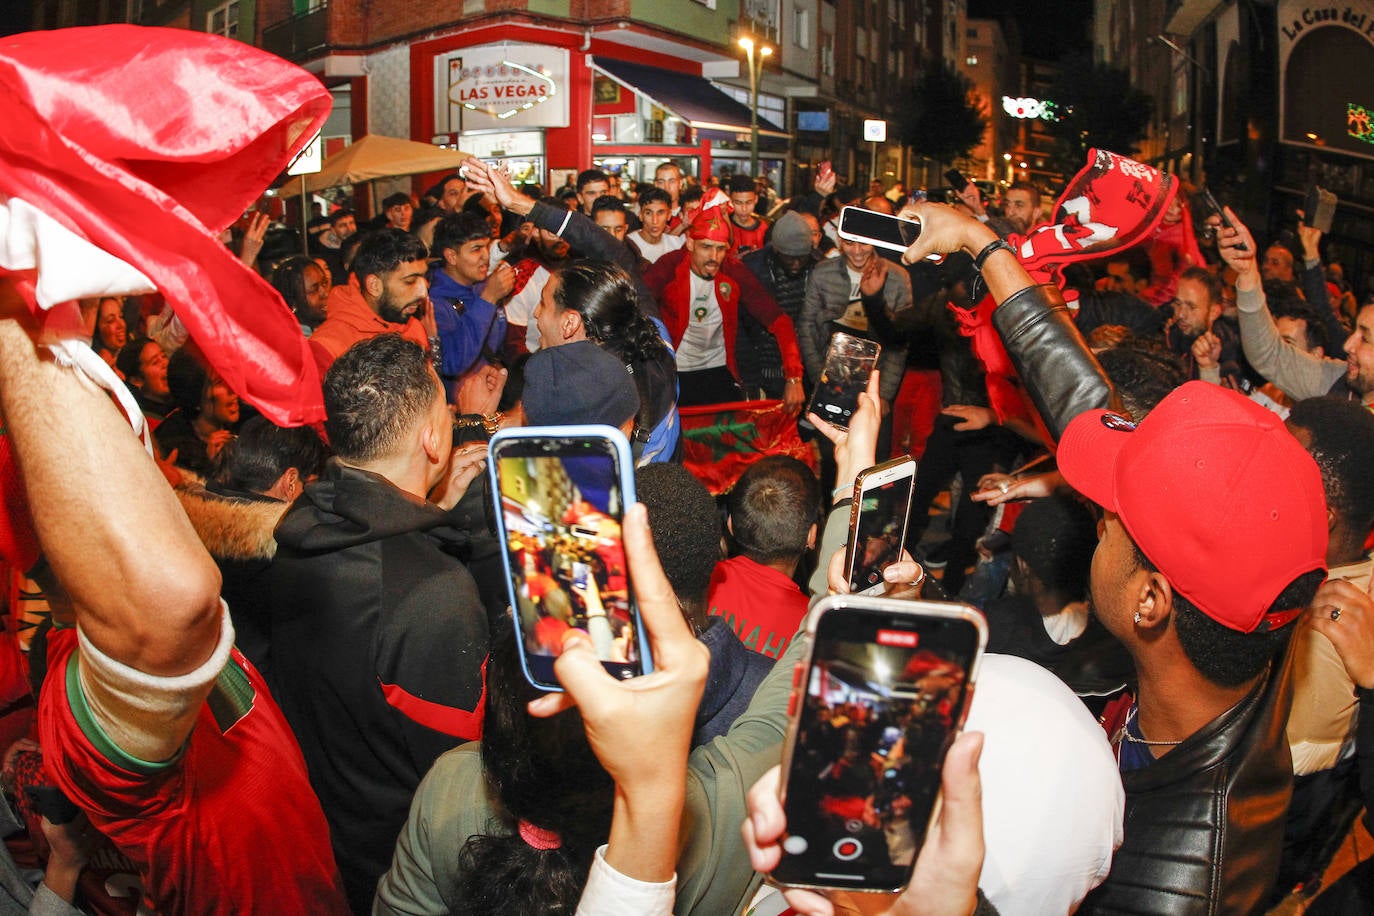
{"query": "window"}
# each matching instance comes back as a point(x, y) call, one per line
point(772, 107)
point(801, 25)
point(827, 54)
point(971, 60)
point(224, 20)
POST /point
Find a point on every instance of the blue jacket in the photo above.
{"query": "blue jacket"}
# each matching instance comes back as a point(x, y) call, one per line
point(466, 323)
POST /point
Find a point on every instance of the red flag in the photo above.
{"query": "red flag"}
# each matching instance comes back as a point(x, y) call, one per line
point(721, 440)
point(147, 143)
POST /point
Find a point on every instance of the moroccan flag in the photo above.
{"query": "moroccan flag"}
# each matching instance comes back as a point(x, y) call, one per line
point(721, 440)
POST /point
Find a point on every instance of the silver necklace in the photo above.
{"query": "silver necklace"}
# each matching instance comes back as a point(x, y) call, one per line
point(1126, 733)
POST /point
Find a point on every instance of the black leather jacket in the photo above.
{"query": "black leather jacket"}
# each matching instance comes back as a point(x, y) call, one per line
point(1204, 823)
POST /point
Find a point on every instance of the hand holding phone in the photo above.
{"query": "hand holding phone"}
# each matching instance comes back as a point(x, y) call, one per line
point(949, 864)
point(882, 694)
point(878, 518)
point(623, 718)
point(1222, 212)
point(563, 491)
point(849, 361)
point(825, 178)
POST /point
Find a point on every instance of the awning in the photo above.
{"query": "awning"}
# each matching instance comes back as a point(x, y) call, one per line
point(691, 98)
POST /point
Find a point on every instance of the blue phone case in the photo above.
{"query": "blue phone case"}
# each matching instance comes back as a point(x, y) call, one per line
point(624, 458)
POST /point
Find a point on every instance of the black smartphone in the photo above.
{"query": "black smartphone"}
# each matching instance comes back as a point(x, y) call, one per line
point(956, 179)
point(52, 803)
point(882, 695)
point(1221, 212)
point(563, 491)
point(849, 361)
point(878, 229)
point(878, 519)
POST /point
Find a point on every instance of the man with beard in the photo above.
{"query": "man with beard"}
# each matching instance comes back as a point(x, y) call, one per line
point(1208, 345)
point(384, 294)
point(1298, 374)
point(1021, 206)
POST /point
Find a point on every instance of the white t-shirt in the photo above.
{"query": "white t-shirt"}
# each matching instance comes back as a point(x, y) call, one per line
point(520, 306)
point(652, 253)
point(854, 315)
point(703, 343)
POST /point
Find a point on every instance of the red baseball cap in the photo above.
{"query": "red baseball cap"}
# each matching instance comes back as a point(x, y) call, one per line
point(1215, 492)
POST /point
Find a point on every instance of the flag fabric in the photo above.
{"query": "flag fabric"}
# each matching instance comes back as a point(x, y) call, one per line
point(1112, 204)
point(721, 440)
point(145, 143)
point(126, 151)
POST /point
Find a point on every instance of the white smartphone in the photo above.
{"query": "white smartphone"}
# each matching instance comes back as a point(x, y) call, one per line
point(883, 693)
point(878, 519)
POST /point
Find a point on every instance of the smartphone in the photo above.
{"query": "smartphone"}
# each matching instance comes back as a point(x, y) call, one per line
point(1225, 221)
point(563, 491)
point(881, 696)
point(825, 169)
point(878, 229)
point(878, 520)
point(1319, 209)
point(849, 361)
point(956, 179)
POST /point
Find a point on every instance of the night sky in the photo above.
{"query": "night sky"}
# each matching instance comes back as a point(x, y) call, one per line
point(1049, 28)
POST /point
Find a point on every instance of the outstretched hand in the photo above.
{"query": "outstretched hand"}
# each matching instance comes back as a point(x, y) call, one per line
point(496, 184)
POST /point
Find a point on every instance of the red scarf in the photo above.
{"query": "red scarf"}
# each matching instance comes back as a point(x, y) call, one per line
point(1112, 204)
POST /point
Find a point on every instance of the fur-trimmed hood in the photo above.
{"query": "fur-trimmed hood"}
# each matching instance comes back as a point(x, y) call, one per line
point(232, 529)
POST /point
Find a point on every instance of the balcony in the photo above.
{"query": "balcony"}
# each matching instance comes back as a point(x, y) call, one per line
point(295, 38)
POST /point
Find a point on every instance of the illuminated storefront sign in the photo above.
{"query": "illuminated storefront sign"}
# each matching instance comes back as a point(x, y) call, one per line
point(1028, 108)
point(501, 87)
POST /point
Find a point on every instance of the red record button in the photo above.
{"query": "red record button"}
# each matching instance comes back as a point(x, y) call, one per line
point(847, 850)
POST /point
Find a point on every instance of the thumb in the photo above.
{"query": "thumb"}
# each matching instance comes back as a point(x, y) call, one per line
point(579, 670)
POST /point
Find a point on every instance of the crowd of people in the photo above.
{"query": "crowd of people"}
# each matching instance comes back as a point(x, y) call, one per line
point(271, 667)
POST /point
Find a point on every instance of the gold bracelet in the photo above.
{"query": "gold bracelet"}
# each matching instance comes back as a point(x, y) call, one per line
point(492, 422)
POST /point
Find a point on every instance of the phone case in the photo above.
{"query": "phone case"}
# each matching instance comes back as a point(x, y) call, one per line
point(856, 507)
point(625, 463)
point(881, 607)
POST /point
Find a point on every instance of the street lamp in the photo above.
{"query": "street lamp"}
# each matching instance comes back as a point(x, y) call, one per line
point(755, 73)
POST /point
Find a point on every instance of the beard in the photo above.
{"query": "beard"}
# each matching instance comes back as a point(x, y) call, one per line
point(391, 310)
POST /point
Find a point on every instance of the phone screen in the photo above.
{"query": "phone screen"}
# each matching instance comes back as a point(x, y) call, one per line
point(878, 229)
point(884, 696)
point(849, 361)
point(562, 501)
point(879, 528)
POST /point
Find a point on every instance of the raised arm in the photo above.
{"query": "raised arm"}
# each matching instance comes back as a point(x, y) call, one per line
point(1053, 361)
point(98, 501)
point(589, 239)
point(1299, 375)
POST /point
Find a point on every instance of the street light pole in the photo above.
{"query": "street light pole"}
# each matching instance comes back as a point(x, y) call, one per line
point(755, 65)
